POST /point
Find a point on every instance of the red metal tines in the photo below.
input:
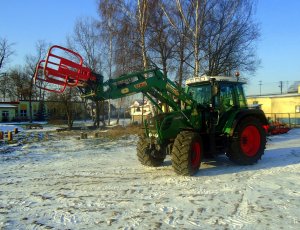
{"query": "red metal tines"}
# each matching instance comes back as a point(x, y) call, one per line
point(65, 63)
point(57, 85)
point(61, 68)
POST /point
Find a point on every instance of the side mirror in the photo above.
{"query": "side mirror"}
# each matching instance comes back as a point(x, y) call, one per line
point(214, 87)
point(214, 90)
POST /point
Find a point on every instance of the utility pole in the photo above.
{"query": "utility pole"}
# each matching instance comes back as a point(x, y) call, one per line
point(280, 86)
point(260, 83)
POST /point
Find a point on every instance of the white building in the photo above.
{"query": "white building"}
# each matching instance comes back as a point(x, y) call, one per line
point(140, 111)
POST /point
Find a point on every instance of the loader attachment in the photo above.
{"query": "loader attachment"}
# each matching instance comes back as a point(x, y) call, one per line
point(56, 85)
point(62, 68)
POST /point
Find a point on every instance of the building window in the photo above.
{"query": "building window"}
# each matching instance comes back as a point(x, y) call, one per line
point(23, 113)
point(297, 109)
point(5, 115)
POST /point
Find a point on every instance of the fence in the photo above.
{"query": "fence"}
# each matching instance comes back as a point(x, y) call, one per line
point(291, 119)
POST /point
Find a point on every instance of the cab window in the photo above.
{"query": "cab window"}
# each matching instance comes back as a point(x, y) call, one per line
point(241, 96)
point(202, 93)
point(226, 97)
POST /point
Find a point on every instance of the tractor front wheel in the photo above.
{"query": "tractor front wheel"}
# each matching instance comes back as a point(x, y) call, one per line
point(248, 142)
point(187, 153)
point(146, 155)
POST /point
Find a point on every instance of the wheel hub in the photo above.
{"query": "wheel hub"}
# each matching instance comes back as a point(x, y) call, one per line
point(250, 140)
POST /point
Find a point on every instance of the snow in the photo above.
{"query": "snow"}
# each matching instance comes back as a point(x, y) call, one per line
point(98, 183)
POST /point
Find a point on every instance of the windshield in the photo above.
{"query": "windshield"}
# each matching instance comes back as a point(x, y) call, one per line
point(201, 93)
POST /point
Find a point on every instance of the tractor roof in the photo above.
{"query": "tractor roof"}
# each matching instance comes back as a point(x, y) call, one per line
point(206, 79)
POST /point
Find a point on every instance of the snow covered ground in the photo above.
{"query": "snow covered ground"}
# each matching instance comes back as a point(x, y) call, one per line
point(99, 184)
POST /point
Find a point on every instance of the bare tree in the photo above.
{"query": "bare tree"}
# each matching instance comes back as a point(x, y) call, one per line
point(6, 50)
point(66, 99)
point(86, 41)
point(5, 87)
point(181, 37)
point(128, 58)
point(221, 32)
point(203, 37)
point(66, 104)
point(230, 38)
point(162, 42)
point(198, 11)
point(143, 20)
point(108, 10)
point(30, 67)
point(18, 83)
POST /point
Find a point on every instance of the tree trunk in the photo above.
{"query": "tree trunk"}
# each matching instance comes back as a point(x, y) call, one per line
point(97, 115)
point(30, 101)
point(143, 21)
point(102, 112)
point(70, 121)
point(110, 70)
point(196, 43)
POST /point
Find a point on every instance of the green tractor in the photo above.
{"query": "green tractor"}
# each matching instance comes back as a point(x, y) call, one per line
point(207, 118)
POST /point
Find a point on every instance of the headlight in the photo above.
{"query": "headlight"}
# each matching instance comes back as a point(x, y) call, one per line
point(153, 135)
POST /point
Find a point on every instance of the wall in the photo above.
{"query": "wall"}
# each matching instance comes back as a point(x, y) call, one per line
point(11, 114)
point(24, 106)
point(277, 104)
point(280, 107)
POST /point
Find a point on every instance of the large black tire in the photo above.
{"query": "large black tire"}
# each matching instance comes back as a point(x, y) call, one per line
point(248, 143)
point(144, 154)
point(187, 153)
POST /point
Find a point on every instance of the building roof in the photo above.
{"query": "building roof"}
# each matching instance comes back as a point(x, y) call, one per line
point(275, 95)
point(7, 106)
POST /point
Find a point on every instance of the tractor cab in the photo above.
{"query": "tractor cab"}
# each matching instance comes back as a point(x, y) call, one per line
point(220, 93)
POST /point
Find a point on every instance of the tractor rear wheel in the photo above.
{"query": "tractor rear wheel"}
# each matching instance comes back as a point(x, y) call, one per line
point(148, 156)
point(248, 142)
point(187, 153)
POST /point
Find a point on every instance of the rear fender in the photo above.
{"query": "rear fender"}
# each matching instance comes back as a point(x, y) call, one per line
point(242, 114)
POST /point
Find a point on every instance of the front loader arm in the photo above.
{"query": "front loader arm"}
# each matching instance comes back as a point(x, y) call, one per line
point(151, 83)
point(64, 68)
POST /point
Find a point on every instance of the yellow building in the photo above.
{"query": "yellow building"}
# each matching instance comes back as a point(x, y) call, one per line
point(282, 107)
point(18, 110)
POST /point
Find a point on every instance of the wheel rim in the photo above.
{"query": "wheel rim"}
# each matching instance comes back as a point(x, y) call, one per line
point(250, 141)
point(196, 154)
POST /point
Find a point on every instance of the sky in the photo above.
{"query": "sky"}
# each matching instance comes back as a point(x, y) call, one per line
point(24, 22)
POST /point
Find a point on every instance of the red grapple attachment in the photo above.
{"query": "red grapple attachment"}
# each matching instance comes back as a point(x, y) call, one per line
point(62, 68)
point(56, 85)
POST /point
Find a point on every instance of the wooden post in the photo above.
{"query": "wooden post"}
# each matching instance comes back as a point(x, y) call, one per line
point(83, 135)
point(46, 136)
point(9, 136)
point(16, 130)
point(1, 135)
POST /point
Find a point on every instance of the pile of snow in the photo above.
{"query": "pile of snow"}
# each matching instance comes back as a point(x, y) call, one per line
point(99, 183)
